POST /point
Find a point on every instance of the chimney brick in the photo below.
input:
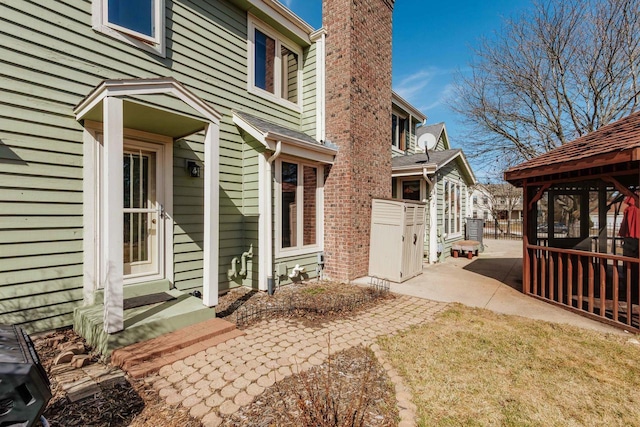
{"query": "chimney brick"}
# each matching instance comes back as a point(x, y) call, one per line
point(358, 121)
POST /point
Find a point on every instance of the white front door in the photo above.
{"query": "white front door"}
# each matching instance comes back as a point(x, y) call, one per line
point(143, 238)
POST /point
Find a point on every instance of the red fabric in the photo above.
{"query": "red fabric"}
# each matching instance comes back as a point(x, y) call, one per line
point(630, 226)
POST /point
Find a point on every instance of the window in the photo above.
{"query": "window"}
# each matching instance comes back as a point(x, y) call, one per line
point(452, 208)
point(299, 211)
point(138, 22)
point(399, 134)
point(275, 71)
point(411, 190)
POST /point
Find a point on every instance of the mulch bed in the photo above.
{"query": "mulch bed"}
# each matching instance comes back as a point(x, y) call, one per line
point(350, 374)
point(353, 389)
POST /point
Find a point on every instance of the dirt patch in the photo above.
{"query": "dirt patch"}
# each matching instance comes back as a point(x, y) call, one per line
point(130, 403)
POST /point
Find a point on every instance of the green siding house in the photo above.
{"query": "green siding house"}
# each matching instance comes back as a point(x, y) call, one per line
point(173, 147)
point(433, 172)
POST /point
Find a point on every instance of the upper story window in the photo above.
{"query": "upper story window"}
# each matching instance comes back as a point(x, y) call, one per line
point(399, 132)
point(138, 22)
point(275, 68)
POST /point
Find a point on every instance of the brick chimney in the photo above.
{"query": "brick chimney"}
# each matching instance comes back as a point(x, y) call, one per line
point(358, 121)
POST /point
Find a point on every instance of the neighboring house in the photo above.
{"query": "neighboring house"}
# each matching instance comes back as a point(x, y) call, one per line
point(184, 147)
point(506, 201)
point(441, 176)
point(481, 203)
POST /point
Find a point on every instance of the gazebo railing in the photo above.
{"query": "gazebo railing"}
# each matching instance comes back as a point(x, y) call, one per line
point(602, 286)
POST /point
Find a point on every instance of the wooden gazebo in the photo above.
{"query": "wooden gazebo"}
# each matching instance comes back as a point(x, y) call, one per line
point(581, 224)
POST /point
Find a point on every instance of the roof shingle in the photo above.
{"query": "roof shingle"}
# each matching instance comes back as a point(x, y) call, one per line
point(621, 135)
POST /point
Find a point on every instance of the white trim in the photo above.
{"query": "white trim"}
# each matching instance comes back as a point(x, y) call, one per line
point(156, 45)
point(211, 215)
point(320, 39)
point(91, 214)
point(403, 104)
point(92, 204)
point(465, 163)
point(299, 249)
point(112, 226)
point(285, 17)
point(433, 223)
point(264, 228)
point(132, 87)
point(290, 146)
point(163, 147)
point(452, 207)
point(254, 23)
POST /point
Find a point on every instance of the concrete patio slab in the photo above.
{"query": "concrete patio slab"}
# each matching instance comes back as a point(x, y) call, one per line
point(493, 280)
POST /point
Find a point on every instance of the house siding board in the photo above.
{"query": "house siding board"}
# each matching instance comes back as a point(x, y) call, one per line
point(309, 262)
point(50, 59)
point(308, 122)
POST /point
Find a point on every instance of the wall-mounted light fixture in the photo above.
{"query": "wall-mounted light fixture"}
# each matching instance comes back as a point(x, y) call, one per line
point(193, 168)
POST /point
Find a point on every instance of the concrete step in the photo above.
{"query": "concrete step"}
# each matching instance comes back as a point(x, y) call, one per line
point(138, 289)
point(149, 356)
point(140, 323)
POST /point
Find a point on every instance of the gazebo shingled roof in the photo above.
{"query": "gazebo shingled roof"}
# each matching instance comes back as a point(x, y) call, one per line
point(614, 143)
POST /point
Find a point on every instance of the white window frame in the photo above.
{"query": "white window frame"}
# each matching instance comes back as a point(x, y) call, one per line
point(423, 187)
point(299, 249)
point(156, 44)
point(253, 24)
point(453, 205)
point(395, 134)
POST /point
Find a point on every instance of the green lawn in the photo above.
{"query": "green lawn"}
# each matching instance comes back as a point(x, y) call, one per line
point(474, 367)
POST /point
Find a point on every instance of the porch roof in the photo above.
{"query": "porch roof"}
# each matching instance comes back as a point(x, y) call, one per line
point(417, 164)
point(618, 142)
point(159, 105)
point(293, 142)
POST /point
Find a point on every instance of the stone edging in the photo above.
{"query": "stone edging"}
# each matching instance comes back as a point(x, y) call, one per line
point(406, 408)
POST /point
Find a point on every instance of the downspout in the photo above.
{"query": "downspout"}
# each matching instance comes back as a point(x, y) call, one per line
point(269, 215)
point(428, 180)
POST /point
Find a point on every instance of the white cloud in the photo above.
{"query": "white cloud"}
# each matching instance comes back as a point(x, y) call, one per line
point(414, 83)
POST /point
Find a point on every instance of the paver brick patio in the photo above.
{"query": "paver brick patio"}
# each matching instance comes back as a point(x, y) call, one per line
point(220, 380)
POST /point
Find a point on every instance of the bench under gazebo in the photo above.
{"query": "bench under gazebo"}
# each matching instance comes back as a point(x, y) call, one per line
point(581, 225)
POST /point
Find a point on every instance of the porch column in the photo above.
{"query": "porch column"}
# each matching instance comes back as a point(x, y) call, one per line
point(112, 222)
point(210, 285)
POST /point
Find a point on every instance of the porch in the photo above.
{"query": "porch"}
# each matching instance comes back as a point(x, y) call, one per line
point(143, 320)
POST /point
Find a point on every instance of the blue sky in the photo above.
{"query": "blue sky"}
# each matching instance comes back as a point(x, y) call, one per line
point(432, 40)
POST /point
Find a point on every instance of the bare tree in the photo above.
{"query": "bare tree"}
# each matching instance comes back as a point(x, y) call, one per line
point(560, 70)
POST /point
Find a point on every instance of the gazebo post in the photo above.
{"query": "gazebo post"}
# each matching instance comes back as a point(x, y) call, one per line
point(526, 270)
